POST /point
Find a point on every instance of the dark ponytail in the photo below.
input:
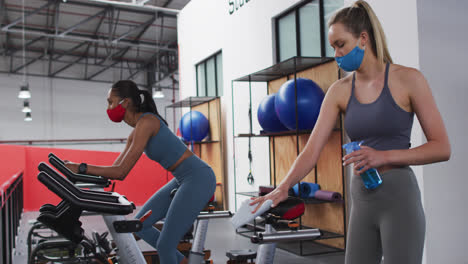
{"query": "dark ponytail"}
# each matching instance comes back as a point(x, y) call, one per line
point(129, 89)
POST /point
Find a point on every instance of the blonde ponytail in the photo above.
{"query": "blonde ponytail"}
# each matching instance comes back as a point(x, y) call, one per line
point(360, 17)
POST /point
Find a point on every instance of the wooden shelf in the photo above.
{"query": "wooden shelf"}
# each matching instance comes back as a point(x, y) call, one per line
point(192, 101)
point(318, 201)
point(274, 134)
point(306, 200)
point(251, 194)
point(284, 68)
point(201, 142)
point(309, 248)
point(279, 134)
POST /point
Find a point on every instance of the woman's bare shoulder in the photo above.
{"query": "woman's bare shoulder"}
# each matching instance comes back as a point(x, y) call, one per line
point(407, 74)
point(340, 90)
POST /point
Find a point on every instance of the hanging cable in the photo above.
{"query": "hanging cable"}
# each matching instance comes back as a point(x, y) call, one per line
point(158, 90)
point(250, 177)
point(23, 39)
point(24, 86)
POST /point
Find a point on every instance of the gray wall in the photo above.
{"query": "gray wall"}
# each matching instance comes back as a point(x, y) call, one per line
point(442, 27)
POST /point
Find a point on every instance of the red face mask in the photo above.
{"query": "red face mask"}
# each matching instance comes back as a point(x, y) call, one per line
point(117, 113)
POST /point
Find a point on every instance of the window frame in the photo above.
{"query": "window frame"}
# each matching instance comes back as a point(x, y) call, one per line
point(204, 62)
point(295, 10)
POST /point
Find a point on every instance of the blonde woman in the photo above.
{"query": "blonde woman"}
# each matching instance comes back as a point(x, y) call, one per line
point(379, 100)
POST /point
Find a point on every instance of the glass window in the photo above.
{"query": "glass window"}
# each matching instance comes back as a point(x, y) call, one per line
point(201, 86)
point(219, 73)
point(308, 41)
point(309, 23)
point(287, 37)
point(329, 7)
point(211, 77)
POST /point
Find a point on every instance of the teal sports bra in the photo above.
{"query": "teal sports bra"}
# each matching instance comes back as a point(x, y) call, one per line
point(164, 147)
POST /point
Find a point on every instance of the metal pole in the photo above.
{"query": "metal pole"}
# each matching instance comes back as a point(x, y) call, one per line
point(133, 6)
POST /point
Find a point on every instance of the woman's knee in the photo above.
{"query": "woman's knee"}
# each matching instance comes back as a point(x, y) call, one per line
point(163, 247)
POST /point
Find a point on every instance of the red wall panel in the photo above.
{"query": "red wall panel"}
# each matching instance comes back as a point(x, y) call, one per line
point(12, 161)
point(143, 181)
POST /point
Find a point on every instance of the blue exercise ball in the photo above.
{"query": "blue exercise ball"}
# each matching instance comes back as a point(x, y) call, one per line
point(309, 101)
point(266, 115)
point(199, 124)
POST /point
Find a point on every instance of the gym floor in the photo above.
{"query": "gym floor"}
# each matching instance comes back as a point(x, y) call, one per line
point(221, 238)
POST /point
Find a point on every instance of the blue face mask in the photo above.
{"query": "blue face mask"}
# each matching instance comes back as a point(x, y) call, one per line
point(351, 61)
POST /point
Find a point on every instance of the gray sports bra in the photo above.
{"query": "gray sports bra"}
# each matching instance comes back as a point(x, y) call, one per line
point(382, 124)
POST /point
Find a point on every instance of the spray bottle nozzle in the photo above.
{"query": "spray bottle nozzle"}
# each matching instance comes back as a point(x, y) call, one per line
point(352, 146)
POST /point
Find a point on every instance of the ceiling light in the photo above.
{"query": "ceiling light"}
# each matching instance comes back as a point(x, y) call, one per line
point(26, 108)
point(157, 93)
point(28, 117)
point(24, 91)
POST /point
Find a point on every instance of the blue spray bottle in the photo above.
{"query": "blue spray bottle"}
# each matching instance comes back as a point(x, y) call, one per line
point(370, 177)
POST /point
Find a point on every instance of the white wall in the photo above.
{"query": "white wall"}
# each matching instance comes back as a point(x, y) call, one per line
point(62, 109)
point(246, 41)
point(442, 52)
point(245, 38)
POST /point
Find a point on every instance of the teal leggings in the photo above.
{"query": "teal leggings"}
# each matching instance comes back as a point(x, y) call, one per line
point(196, 184)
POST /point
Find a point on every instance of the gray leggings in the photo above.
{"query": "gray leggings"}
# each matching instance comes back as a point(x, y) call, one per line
point(388, 220)
point(196, 184)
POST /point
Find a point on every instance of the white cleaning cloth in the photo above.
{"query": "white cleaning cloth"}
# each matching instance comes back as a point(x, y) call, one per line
point(245, 215)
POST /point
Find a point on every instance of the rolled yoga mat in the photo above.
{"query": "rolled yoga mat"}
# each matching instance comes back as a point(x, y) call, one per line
point(328, 196)
point(308, 189)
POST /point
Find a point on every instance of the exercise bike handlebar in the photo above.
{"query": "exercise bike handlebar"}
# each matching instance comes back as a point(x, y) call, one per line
point(122, 207)
point(214, 214)
point(75, 177)
point(52, 155)
point(283, 236)
point(94, 195)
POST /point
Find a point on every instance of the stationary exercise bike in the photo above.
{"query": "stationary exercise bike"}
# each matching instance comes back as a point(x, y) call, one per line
point(196, 253)
point(64, 217)
point(119, 228)
point(128, 250)
point(45, 244)
point(290, 209)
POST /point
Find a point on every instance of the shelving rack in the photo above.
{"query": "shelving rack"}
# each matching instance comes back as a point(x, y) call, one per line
point(210, 149)
point(318, 212)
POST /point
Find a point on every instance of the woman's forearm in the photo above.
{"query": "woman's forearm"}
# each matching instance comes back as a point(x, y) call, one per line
point(300, 168)
point(110, 172)
point(430, 152)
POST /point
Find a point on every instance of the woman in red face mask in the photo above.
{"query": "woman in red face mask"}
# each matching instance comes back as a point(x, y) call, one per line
point(193, 178)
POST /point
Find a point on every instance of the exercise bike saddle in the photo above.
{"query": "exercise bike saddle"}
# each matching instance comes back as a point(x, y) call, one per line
point(289, 209)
